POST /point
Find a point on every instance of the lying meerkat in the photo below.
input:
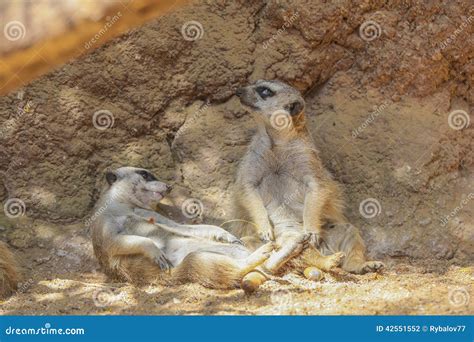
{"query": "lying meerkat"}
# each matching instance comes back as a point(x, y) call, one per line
point(134, 243)
point(9, 272)
point(283, 187)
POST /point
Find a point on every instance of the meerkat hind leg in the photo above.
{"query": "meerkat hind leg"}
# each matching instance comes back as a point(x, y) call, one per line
point(346, 238)
point(257, 258)
point(291, 246)
point(215, 270)
point(313, 257)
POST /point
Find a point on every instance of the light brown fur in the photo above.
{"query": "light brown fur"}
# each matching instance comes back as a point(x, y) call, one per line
point(283, 188)
point(134, 243)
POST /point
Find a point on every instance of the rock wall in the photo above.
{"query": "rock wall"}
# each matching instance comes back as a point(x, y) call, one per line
point(380, 80)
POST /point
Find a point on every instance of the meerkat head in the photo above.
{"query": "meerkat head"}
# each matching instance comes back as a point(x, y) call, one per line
point(136, 187)
point(277, 103)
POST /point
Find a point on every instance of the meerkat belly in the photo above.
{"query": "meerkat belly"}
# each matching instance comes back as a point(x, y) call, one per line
point(282, 195)
point(177, 248)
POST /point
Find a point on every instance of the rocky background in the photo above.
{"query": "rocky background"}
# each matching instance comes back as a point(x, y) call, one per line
point(389, 90)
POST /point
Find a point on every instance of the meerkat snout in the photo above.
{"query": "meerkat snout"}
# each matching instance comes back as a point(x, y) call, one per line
point(138, 185)
point(269, 97)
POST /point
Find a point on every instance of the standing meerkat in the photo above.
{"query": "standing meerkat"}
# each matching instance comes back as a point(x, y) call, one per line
point(282, 186)
point(133, 242)
point(9, 274)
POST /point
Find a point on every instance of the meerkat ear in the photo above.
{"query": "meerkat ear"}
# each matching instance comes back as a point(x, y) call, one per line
point(110, 177)
point(294, 108)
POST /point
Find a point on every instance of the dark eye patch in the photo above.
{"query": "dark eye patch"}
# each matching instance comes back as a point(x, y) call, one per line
point(294, 108)
point(265, 92)
point(147, 176)
point(110, 177)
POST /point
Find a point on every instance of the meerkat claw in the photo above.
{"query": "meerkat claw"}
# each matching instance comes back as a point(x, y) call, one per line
point(164, 263)
point(372, 266)
point(266, 237)
point(227, 238)
point(315, 240)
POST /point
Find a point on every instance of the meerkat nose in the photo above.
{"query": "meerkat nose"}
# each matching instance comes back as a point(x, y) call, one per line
point(239, 92)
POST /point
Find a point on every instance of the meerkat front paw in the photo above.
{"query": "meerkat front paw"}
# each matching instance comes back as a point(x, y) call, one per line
point(314, 239)
point(159, 258)
point(226, 237)
point(371, 266)
point(266, 234)
point(268, 248)
point(261, 254)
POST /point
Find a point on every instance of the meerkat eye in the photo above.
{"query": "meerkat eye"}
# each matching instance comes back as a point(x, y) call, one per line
point(264, 92)
point(110, 177)
point(147, 176)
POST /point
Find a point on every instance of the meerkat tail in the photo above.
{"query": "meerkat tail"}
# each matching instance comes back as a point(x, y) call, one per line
point(9, 271)
point(209, 269)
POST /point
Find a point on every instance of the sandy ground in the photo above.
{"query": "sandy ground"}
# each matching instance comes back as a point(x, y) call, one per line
point(65, 280)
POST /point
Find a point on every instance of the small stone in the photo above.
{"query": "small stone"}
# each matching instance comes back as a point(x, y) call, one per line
point(312, 273)
point(424, 222)
point(42, 260)
point(61, 253)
